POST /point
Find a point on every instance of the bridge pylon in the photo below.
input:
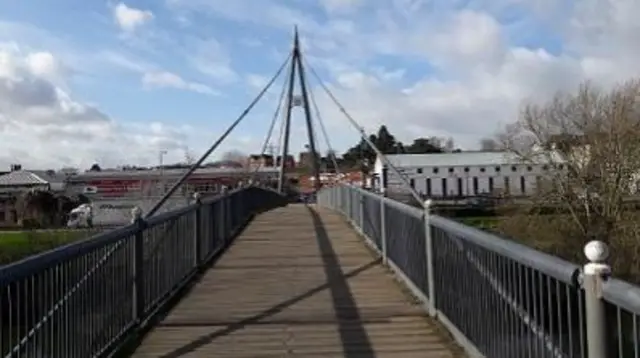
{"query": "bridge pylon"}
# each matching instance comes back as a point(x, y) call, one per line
point(297, 70)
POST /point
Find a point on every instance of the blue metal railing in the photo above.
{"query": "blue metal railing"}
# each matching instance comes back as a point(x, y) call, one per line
point(87, 298)
point(497, 297)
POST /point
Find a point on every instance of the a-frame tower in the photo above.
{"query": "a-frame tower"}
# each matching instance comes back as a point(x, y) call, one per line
point(296, 70)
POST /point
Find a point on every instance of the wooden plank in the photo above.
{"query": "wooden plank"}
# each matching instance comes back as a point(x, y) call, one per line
point(298, 282)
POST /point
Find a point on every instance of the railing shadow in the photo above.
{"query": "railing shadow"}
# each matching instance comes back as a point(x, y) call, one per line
point(350, 323)
point(235, 326)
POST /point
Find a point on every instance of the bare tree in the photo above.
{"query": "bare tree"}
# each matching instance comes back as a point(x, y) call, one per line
point(489, 145)
point(449, 145)
point(188, 157)
point(235, 156)
point(590, 142)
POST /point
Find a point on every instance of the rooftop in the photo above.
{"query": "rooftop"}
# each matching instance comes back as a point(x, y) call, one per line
point(170, 172)
point(454, 159)
point(21, 177)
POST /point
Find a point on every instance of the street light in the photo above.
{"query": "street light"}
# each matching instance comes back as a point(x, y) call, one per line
point(161, 166)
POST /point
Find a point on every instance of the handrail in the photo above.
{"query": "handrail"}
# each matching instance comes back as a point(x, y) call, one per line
point(545, 263)
point(480, 285)
point(74, 288)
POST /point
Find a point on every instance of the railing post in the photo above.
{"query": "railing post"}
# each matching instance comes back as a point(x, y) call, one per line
point(225, 213)
point(595, 273)
point(197, 230)
point(383, 226)
point(429, 257)
point(360, 210)
point(138, 265)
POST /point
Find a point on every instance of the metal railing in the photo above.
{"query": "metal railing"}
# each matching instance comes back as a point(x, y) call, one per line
point(498, 298)
point(87, 298)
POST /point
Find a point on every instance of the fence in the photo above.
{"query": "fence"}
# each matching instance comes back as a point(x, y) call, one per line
point(85, 299)
point(498, 298)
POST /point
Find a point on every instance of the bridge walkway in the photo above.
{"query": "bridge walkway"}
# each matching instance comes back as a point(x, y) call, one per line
point(298, 282)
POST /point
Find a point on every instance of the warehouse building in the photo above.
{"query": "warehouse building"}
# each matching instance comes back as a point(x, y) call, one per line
point(463, 174)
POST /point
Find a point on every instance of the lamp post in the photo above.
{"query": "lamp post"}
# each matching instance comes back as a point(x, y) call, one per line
point(161, 155)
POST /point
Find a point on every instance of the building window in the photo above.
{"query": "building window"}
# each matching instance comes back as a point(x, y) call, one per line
point(428, 184)
point(523, 185)
point(507, 185)
point(560, 166)
point(545, 167)
point(529, 168)
point(419, 170)
point(450, 170)
point(435, 170)
point(482, 170)
point(475, 185)
point(412, 182)
point(466, 169)
point(460, 192)
point(513, 168)
point(445, 190)
point(497, 169)
point(490, 185)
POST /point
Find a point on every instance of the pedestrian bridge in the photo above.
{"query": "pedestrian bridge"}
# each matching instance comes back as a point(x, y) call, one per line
point(355, 275)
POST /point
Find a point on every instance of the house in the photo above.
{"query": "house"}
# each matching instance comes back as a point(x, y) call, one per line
point(290, 162)
point(463, 174)
point(261, 161)
point(18, 181)
point(21, 180)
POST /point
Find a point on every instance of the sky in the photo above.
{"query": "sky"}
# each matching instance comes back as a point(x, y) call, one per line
point(115, 83)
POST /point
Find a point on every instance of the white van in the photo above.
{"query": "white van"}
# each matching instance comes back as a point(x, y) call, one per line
point(81, 217)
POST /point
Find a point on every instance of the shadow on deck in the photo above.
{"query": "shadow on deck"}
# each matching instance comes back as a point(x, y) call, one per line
point(298, 282)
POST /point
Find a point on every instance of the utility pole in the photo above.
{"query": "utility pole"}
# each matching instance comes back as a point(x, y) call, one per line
point(297, 68)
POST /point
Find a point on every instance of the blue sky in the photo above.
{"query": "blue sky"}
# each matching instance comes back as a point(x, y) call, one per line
point(155, 75)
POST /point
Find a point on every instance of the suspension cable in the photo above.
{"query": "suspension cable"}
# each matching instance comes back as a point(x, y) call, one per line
point(276, 115)
point(323, 129)
point(364, 136)
point(215, 145)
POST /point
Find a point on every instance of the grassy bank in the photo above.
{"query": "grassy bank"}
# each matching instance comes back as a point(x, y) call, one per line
point(16, 245)
point(482, 222)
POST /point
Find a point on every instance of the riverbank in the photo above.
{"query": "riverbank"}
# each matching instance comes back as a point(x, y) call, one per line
point(16, 245)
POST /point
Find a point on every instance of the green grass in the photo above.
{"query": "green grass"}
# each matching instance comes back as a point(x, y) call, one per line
point(482, 222)
point(16, 245)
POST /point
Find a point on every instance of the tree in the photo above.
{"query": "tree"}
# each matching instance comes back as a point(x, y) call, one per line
point(590, 140)
point(489, 145)
point(38, 209)
point(449, 145)
point(188, 157)
point(95, 168)
point(423, 146)
point(235, 156)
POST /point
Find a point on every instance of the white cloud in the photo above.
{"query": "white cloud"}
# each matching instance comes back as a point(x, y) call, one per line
point(341, 6)
point(256, 82)
point(209, 57)
point(129, 18)
point(474, 76)
point(171, 80)
point(42, 126)
point(422, 67)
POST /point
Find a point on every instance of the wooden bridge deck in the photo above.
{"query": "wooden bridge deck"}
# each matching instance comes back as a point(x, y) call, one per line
point(298, 282)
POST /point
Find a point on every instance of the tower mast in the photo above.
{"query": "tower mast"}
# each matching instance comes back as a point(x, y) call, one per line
point(297, 68)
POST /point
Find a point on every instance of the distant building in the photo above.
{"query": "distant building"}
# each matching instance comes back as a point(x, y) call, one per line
point(115, 193)
point(18, 181)
point(261, 161)
point(463, 174)
point(290, 162)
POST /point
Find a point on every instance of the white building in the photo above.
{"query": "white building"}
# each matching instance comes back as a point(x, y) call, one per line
point(464, 174)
